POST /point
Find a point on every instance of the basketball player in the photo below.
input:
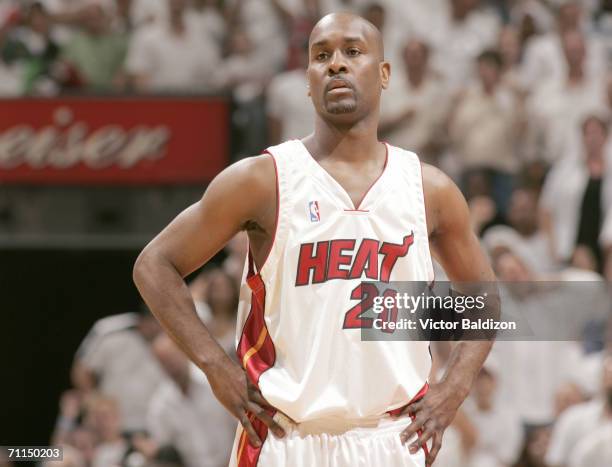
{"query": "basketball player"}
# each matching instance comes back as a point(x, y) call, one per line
point(324, 214)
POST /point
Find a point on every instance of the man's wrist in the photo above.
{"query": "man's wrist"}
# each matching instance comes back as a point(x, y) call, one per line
point(212, 359)
point(457, 389)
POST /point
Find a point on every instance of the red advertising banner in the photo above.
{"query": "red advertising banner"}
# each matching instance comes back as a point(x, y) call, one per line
point(113, 140)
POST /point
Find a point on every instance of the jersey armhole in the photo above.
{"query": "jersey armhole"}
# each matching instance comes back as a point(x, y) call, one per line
point(432, 270)
point(253, 269)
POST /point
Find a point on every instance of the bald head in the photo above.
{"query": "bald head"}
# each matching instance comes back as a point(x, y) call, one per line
point(352, 27)
point(346, 69)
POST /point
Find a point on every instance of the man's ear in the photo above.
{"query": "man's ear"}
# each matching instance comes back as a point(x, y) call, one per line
point(385, 74)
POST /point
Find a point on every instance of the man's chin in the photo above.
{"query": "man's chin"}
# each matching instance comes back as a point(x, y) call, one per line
point(341, 108)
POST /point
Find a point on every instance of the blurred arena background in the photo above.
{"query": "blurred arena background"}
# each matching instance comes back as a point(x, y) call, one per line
point(115, 114)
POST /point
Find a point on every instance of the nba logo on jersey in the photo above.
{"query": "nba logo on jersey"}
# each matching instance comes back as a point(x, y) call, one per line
point(313, 207)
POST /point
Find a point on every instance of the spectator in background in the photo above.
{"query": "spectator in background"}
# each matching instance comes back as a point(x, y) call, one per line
point(96, 53)
point(119, 364)
point(329, 6)
point(558, 108)
point(530, 17)
point(523, 234)
point(198, 287)
point(289, 109)
point(305, 15)
point(70, 408)
point(237, 250)
point(414, 107)
point(461, 436)
point(568, 395)
point(483, 130)
point(596, 450)
point(579, 423)
point(133, 14)
point(498, 427)
point(184, 412)
point(544, 55)
point(510, 49)
point(462, 32)
point(380, 14)
point(536, 444)
point(545, 364)
point(211, 16)
point(104, 417)
point(245, 73)
point(222, 299)
point(10, 73)
point(602, 26)
point(215, 294)
point(176, 54)
point(577, 195)
point(84, 439)
point(266, 23)
point(33, 45)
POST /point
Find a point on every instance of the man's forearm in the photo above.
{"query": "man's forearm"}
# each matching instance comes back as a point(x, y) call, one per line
point(464, 364)
point(169, 299)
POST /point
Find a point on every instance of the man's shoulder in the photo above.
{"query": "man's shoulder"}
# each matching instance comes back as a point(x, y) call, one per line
point(257, 169)
point(435, 181)
point(254, 176)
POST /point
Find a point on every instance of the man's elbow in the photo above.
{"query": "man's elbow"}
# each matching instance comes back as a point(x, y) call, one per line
point(142, 267)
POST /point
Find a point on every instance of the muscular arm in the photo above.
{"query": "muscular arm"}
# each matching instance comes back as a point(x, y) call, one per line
point(242, 196)
point(454, 245)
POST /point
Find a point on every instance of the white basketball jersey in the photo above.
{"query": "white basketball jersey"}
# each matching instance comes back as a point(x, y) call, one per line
point(300, 317)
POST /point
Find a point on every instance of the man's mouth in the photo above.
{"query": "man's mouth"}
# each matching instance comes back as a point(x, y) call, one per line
point(338, 86)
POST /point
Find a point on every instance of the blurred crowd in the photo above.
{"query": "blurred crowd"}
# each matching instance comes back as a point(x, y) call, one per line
point(136, 400)
point(511, 98)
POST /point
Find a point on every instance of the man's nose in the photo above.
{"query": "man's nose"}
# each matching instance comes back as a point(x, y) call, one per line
point(337, 64)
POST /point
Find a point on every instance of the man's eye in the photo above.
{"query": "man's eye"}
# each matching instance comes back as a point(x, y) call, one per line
point(354, 52)
point(321, 56)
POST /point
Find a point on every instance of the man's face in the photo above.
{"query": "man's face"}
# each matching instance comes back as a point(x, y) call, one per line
point(522, 212)
point(594, 136)
point(569, 15)
point(346, 71)
point(574, 48)
point(488, 73)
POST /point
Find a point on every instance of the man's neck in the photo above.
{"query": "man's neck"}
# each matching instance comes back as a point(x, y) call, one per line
point(358, 142)
point(177, 23)
point(575, 76)
point(416, 78)
point(489, 90)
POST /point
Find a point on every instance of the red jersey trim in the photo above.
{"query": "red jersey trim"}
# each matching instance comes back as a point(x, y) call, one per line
point(277, 211)
point(255, 350)
point(247, 454)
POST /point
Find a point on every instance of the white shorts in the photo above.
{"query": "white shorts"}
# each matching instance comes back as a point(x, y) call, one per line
point(328, 444)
